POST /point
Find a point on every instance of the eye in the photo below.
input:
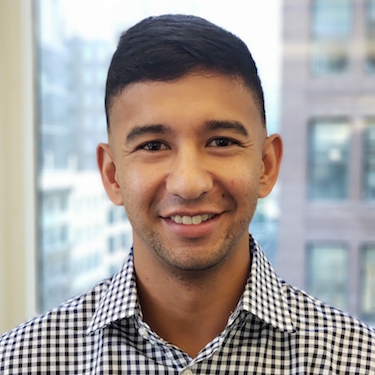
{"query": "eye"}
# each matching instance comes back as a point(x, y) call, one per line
point(222, 142)
point(153, 146)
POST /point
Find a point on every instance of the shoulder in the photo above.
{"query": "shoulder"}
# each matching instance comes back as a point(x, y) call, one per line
point(63, 325)
point(313, 315)
point(327, 335)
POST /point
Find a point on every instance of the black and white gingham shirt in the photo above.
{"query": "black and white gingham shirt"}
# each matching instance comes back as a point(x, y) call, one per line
point(276, 329)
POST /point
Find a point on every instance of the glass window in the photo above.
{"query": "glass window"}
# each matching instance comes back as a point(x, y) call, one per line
point(330, 28)
point(368, 283)
point(331, 19)
point(111, 215)
point(111, 244)
point(369, 160)
point(327, 273)
point(328, 160)
point(370, 53)
point(76, 220)
point(74, 48)
point(370, 18)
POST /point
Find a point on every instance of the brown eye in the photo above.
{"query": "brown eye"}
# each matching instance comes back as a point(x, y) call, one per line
point(153, 146)
point(222, 142)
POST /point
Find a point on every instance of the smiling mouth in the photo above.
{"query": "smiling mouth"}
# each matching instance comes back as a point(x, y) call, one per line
point(191, 220)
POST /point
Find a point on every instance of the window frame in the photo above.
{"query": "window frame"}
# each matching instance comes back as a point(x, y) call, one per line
point(17, 164)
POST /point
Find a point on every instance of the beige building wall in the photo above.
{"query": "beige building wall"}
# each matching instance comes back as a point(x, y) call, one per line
point(305, 97)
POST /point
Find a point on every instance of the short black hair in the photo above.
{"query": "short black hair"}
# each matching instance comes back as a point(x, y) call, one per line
point(168, 47)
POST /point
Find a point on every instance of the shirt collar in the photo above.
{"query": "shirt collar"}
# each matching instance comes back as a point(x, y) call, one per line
point(263, 296)
point(120, 300)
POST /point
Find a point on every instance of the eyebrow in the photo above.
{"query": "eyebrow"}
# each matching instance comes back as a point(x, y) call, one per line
point(139, 131)
point(211, 125)
point(226, 125)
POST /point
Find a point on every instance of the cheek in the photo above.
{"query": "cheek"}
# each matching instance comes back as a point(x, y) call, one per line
point(130, 183)
point(139, 186)
point(247, 176)
point(245, 187)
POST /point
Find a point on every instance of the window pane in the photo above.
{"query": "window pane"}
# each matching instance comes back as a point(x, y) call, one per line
point(76, 249)
point(327, 266)
point(368, 283)
point(369, 160)
point(329, 57)
point(88, 237)
point(329, 159)
point(370, 18)
point(330, 28)
point(84, 238)
point(370, 58)
point(331, 19)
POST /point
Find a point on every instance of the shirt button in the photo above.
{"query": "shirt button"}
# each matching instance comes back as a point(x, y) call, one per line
point(187, 372)
point(143, 332)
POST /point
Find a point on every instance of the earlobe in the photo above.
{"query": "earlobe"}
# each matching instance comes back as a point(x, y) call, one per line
point(271, 160)
point(107, 169)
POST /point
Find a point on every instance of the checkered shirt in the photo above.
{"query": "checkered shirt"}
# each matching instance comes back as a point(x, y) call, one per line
point(275, 329)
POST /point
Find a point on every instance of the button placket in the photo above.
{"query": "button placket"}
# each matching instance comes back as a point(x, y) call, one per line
point(187, 372)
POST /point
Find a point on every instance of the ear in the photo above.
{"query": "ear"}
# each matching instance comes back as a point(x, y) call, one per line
point(108, 172)
point(271, 160)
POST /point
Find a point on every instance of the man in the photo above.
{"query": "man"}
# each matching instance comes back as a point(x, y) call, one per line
point(188, 156)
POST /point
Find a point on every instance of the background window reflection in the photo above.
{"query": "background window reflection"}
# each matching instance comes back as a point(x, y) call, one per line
point(318, 95)
point(331, 28)
point(370, 42)
point(329, 159)
point(327, 265)
point(369, 160)
point(368, 283)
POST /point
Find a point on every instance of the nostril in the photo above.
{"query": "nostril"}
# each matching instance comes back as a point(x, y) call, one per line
point(190, 186)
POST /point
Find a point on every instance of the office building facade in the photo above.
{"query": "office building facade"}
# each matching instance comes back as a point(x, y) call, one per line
point(327, 182)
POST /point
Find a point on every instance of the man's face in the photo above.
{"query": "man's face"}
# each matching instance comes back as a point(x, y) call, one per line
point(186, 159)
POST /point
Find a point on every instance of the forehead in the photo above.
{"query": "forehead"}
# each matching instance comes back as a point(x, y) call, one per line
point(190, 99)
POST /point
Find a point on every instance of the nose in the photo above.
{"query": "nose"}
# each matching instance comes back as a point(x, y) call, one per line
point(189, 177)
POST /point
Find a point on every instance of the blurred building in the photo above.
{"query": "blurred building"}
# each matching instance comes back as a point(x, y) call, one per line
point(82, 237)
point(327, 199)
point(53, 234)
point(87, 67)
point(55, 101)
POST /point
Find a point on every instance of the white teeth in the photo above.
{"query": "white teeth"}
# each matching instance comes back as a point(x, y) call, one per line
point(191, 220)
point(187, 220)
point(197, 219)
point(177, 219)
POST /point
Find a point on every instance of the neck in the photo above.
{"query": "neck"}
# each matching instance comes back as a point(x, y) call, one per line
point(189, 309)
